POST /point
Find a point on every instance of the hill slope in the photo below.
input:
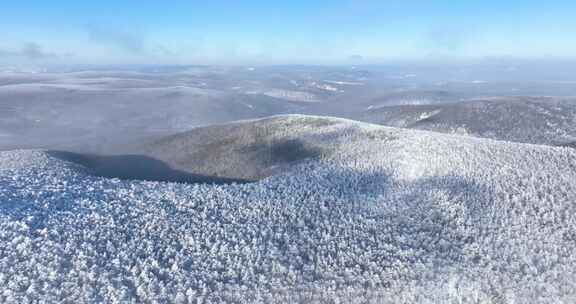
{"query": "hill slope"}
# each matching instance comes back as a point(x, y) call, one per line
point(382, 215)
point(248, 150)
point(535, 120)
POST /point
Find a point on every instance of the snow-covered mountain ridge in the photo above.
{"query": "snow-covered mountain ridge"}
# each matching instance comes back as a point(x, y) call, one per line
point(380, 215)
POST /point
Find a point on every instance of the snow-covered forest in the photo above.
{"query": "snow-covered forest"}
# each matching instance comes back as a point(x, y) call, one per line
point(382, 215)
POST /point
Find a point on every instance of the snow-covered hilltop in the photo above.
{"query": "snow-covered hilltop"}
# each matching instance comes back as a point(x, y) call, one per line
point(379, 215)
point(536, 120)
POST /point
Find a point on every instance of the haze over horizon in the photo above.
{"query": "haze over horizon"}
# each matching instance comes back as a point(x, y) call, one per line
point(295, 32)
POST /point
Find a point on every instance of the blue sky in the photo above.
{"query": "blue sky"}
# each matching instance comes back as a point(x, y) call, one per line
point(296, 31)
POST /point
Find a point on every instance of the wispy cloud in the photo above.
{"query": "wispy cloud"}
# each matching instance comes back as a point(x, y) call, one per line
point(356, 57)
point(447, 40)
point(31, 51)
point(128, 41)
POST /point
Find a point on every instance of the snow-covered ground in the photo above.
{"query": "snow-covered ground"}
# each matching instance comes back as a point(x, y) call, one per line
point(291, 95)
point(389, 216)
point(536, 120)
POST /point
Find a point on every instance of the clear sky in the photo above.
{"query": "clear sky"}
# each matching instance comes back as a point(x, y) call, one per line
point(295, 31)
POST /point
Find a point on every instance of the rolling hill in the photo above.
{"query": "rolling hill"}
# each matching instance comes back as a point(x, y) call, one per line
point(537, 120)
point(349, 212)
